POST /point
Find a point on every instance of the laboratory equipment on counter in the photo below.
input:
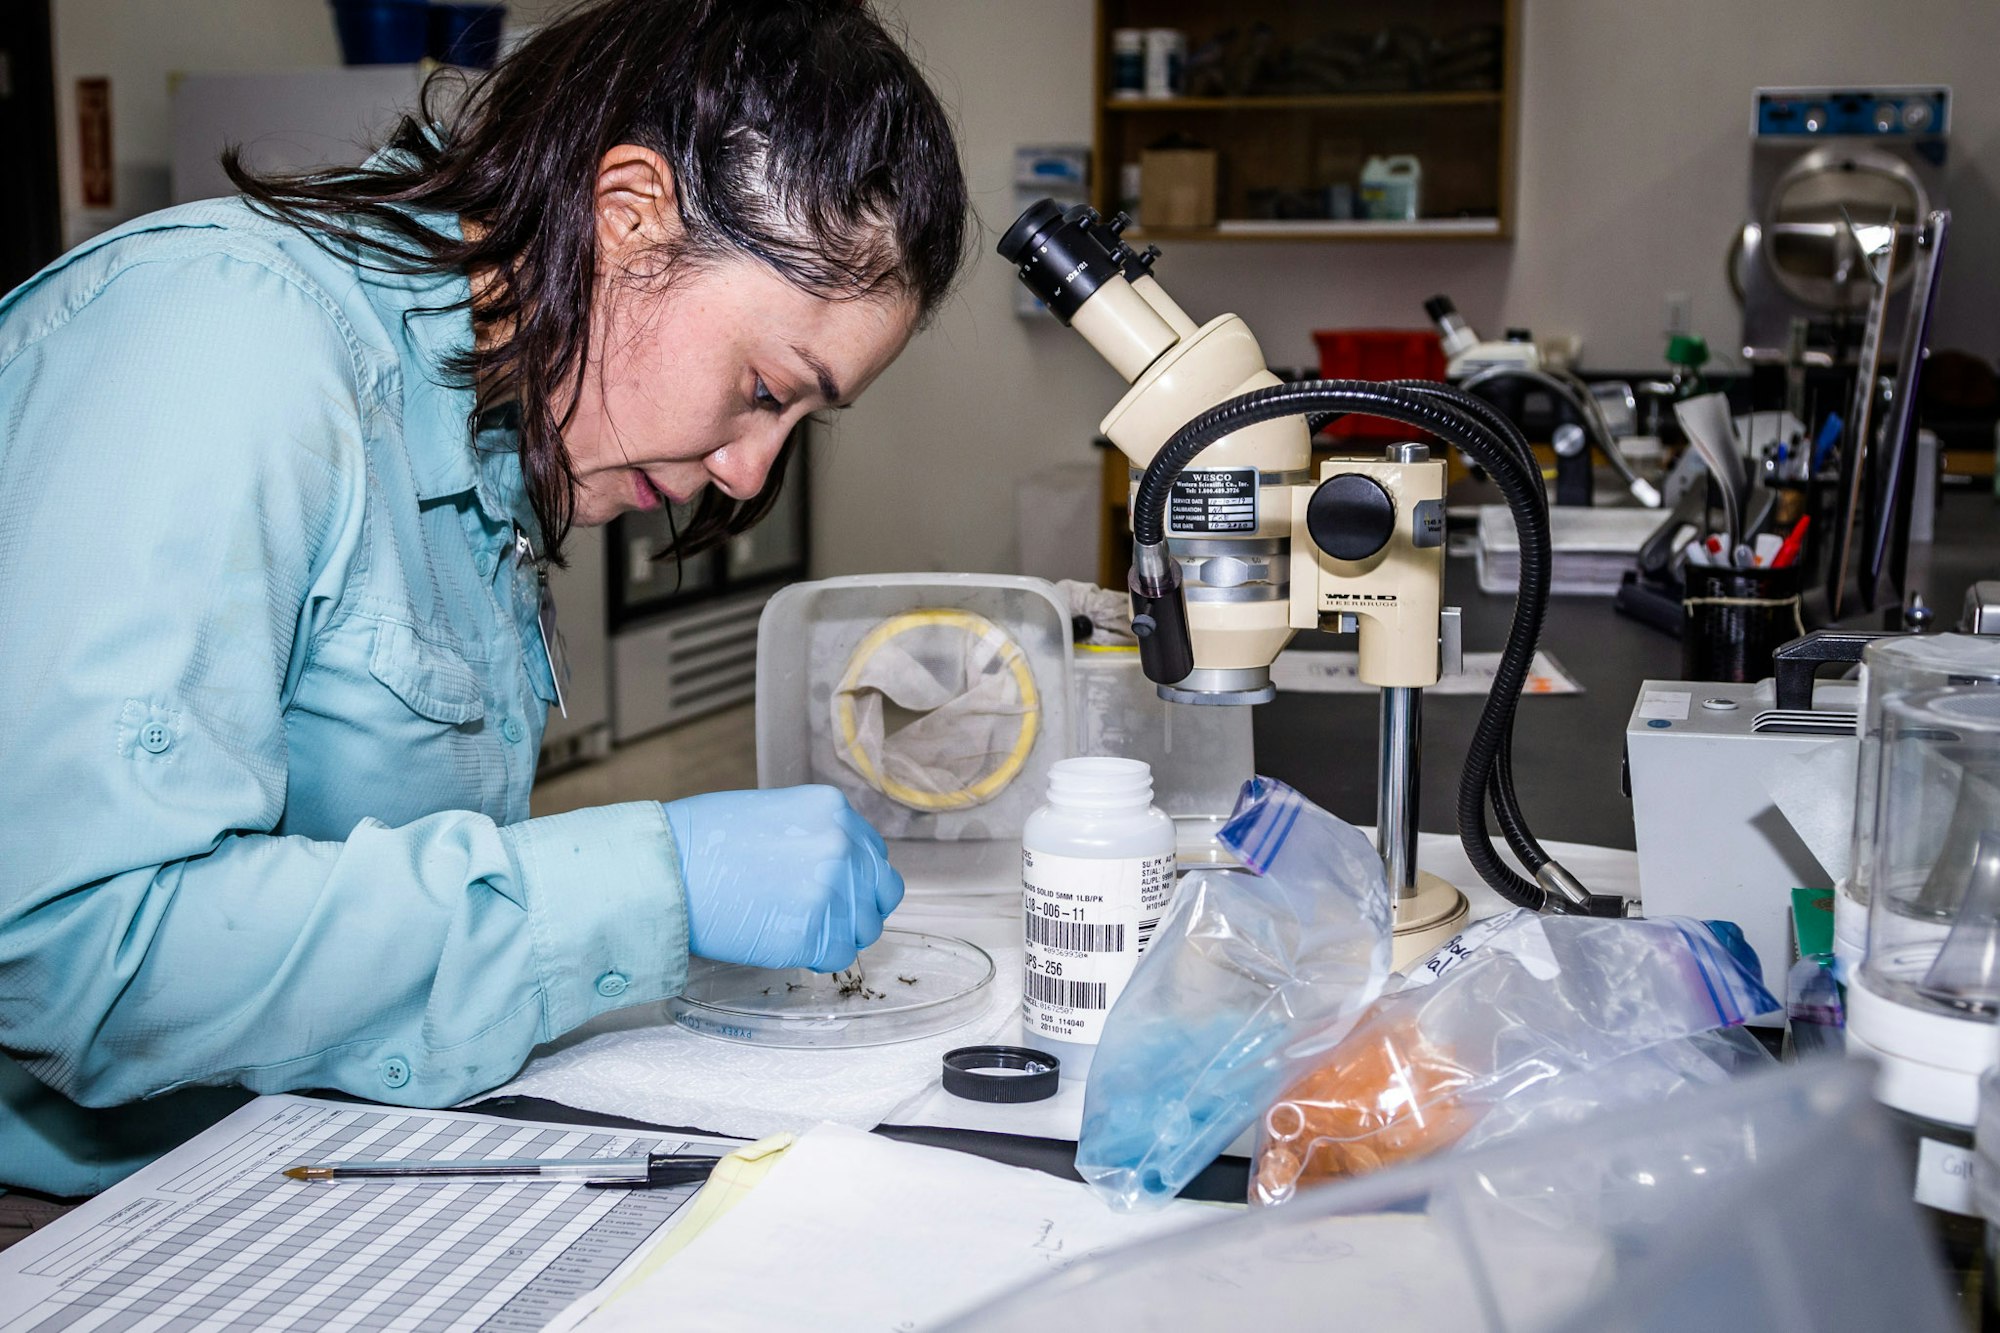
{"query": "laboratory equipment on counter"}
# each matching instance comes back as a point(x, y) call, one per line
point(1890, 666)
point(1234, 555)
point(1924, 1001)
point(1474, 365)
point(1820, 158)
point(1702, 760)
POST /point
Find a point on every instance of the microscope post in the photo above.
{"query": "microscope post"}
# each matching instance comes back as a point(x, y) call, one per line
point(1397, 785)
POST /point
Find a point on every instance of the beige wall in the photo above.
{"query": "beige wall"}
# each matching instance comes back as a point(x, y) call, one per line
point(138, 44)
point(1633, 178)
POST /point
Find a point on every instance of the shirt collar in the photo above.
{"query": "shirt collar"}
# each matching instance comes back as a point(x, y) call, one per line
point(429, 319)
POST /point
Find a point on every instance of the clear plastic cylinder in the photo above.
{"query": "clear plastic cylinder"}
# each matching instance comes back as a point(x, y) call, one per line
point(1934, 862)
point(1892, 667)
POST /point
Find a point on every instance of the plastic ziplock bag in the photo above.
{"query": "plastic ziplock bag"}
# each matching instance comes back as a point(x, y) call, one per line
point(1250, 973)
point(1509, 1010)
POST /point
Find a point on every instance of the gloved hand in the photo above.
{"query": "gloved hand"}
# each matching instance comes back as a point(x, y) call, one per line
point(791, 877)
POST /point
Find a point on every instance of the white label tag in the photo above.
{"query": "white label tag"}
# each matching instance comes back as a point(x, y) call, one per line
point(1665, 705)
point(1944, 1178)
point(1086, 922)
point(1527, 941)
point(553, 646)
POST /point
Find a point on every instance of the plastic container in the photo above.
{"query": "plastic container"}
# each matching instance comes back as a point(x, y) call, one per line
point(1128, 62)
point(1378, 354)
point(1097, 873)
point(808, 638)
point(1166, 62)
point(382, 32)
point(1770, 1203)
point(910, 985)
point(1392, 188)
point(1200, 756)
point(466, 35)
point(1924, 1000)
point(1892, 667)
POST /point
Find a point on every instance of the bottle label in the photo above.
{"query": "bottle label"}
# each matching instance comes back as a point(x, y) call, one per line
point(1087, 921)
point(1944, 1177)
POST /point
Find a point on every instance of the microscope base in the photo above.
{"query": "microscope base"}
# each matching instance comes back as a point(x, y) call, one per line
point(1437, 913)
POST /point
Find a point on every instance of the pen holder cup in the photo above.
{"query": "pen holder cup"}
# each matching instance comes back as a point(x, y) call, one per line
point(1736, 618)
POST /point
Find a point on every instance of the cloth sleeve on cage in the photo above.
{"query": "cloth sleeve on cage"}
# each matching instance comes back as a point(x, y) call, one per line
point(1108, 610)
point(937, 710)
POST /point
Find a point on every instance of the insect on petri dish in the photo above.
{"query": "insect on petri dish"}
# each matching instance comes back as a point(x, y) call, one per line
point(911, 985)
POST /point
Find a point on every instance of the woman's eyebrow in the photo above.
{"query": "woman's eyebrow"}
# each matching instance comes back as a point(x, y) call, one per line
point(828, 390)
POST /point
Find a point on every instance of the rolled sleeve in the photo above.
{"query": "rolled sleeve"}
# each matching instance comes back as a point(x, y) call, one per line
point(607, 909)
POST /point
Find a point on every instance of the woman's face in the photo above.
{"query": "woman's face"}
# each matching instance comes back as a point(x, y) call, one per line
point(699, 382)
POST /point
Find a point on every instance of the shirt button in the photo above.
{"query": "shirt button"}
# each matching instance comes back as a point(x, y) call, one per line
point(511, 730)
point(611, 985)
point(155, 737)
point(395, 1071)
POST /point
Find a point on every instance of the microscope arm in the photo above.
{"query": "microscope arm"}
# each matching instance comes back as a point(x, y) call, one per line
point(1468, 424)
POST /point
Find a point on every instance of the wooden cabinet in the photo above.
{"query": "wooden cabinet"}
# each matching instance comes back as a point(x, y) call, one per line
point(1295, 95)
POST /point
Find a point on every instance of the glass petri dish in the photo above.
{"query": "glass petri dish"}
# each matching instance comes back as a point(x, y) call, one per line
point(913, 985)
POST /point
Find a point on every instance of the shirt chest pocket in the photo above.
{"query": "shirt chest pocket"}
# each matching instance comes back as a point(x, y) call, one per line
point(432, 681)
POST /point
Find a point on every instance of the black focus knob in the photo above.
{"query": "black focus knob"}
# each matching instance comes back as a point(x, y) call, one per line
point(1350, 516)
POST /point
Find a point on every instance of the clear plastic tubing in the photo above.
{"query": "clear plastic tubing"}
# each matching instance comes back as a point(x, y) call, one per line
point(1097, 873)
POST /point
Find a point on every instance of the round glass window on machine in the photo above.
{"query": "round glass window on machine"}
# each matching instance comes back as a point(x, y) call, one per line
point(1924, 1002)
point(1892, 667)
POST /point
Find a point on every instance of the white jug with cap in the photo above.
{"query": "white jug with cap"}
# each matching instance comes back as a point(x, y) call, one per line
point(1392, 188)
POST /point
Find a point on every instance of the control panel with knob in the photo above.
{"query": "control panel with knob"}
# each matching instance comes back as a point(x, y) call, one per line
point(1350, 516)
point(1368, 555)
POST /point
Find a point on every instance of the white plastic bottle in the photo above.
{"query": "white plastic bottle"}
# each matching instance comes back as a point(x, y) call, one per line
point(1097, 873)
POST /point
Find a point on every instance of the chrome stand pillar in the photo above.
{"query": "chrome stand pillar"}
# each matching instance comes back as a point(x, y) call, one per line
point(1396, 787)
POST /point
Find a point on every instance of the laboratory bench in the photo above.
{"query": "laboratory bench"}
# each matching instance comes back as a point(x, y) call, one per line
point(1568, 749)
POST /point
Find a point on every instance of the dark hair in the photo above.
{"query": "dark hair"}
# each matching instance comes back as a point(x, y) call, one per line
point(798, 131)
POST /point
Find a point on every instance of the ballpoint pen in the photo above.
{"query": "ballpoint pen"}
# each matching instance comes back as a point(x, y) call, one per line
point(643, 1171)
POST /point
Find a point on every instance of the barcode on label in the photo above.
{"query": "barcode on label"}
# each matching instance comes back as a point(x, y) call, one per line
point(1076, 935)
point(1069, 994)
point(1146, 929)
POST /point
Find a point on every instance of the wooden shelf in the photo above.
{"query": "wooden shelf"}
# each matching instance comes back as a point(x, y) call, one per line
point(1275, 153)
point(1330, 102)
point(1315, 229)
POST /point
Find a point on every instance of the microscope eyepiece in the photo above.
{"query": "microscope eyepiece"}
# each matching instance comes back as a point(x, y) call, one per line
point(1065, 257)
point(1014, 244)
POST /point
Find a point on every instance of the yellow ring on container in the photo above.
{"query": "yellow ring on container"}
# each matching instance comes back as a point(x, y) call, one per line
point(1010, 656)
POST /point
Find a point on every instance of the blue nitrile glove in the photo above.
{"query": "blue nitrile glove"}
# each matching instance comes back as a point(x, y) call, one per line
point(791, 877)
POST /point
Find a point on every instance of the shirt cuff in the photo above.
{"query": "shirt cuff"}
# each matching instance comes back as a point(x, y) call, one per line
point(607, 909)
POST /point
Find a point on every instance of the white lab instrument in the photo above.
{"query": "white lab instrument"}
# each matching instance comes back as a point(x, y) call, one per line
point(1928, 990)
point(1891, 666)
point(1703, 759)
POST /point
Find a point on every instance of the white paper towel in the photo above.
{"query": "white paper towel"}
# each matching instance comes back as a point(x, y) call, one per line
point(1815, 792)
point(638, 1063)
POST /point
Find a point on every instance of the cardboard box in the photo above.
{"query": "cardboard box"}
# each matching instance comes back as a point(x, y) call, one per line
point(1177, 187)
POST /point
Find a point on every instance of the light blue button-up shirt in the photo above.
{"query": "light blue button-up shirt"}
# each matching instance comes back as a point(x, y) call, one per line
point(271, 691)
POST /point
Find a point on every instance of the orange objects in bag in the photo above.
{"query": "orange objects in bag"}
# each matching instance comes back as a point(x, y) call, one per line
point(1384, 1096)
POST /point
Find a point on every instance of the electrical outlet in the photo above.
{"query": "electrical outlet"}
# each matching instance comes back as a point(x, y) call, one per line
point(1680, 313)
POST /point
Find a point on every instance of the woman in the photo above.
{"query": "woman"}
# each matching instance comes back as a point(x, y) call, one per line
point(277, 479)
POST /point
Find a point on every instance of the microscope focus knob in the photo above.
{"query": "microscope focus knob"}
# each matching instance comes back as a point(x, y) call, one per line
point(1350, 516)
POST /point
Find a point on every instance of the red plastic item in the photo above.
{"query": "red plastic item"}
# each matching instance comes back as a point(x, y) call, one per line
point(1377, 354)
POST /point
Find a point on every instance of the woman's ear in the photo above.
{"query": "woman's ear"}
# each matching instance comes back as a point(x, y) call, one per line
point(635, 207)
